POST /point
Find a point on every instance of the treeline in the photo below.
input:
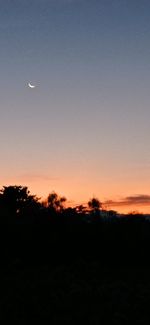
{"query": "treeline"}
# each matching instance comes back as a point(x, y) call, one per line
point(50, 230)
point(17, 205)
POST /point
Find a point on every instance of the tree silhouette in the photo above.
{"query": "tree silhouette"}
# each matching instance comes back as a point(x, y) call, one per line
point(15, 200)
point(55, 202)
point(94, 204)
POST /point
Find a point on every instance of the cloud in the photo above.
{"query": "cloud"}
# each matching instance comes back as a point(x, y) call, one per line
point(140, 199)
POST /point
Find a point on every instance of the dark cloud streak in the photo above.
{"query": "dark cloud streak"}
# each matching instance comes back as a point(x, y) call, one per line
point(140, 199)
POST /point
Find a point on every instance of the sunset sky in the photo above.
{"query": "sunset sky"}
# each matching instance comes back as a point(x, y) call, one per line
point(84, 130)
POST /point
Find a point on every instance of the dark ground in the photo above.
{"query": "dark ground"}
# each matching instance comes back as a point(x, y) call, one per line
point(54, 277)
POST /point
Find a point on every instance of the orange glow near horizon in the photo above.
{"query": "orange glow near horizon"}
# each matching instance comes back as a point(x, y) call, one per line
point(78, 192)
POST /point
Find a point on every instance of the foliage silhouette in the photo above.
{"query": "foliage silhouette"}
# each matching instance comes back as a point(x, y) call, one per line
point(94, 204)
point(17, 202)
point(55, 202)
point(85, 229)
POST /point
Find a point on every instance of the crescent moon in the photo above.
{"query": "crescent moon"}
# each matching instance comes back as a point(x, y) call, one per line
point(31, 86)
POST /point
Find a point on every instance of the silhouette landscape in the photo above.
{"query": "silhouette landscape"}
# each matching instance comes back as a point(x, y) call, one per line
point(65, 264)
point(74, 162)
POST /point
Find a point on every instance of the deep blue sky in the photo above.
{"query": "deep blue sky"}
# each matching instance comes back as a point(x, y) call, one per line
point(84, 129)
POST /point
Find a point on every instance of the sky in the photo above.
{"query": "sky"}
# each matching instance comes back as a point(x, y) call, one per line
point(83, 131)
